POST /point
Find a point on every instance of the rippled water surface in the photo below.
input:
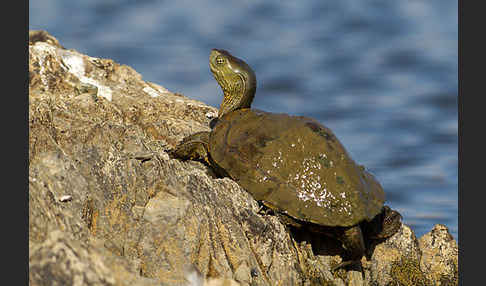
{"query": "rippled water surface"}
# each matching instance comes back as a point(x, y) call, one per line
point(381, 74)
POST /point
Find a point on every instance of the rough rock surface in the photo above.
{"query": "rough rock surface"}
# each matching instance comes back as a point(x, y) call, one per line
point(439, 256)
point(107, 206)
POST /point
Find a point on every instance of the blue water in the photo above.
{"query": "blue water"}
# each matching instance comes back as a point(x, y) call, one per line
point(383, 75)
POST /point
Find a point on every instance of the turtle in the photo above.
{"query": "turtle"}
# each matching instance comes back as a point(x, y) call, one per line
point(293, 165)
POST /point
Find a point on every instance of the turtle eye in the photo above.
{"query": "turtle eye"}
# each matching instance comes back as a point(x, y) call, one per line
point(219, 60)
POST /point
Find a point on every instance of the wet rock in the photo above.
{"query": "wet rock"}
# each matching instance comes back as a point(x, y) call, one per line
point(107, 206)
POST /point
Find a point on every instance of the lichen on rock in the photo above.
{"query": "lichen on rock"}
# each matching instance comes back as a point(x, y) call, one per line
point(99, 135)
point(439, 259)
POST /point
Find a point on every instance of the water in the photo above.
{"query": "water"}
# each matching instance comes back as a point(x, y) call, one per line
point(381, 74)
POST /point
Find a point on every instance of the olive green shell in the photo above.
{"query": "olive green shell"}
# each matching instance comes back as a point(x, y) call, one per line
point(296, 166)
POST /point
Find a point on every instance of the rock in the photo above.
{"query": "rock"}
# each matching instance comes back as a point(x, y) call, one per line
point(107, 206)
point(355, 278)
point(43, 36)
point(401, 248)
point(439, 259)
point(62, 260)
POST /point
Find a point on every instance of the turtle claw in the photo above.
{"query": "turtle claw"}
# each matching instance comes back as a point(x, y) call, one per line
point(263, 210)
point(342, 265)
point(193, 147)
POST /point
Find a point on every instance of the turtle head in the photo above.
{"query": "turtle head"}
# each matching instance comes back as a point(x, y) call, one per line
point(236, 78)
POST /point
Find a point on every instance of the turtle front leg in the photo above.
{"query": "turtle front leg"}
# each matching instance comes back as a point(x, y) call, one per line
point(193, 147)
point(353, 242)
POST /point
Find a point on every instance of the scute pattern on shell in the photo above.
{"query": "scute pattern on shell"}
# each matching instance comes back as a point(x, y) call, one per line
point(297, 166)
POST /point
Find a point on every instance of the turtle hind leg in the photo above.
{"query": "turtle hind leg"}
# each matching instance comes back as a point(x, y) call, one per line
point(383, 225)
point(193, 147)
point(353, 242)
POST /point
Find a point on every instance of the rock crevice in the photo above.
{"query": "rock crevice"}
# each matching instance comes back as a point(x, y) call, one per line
point(107, 206)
